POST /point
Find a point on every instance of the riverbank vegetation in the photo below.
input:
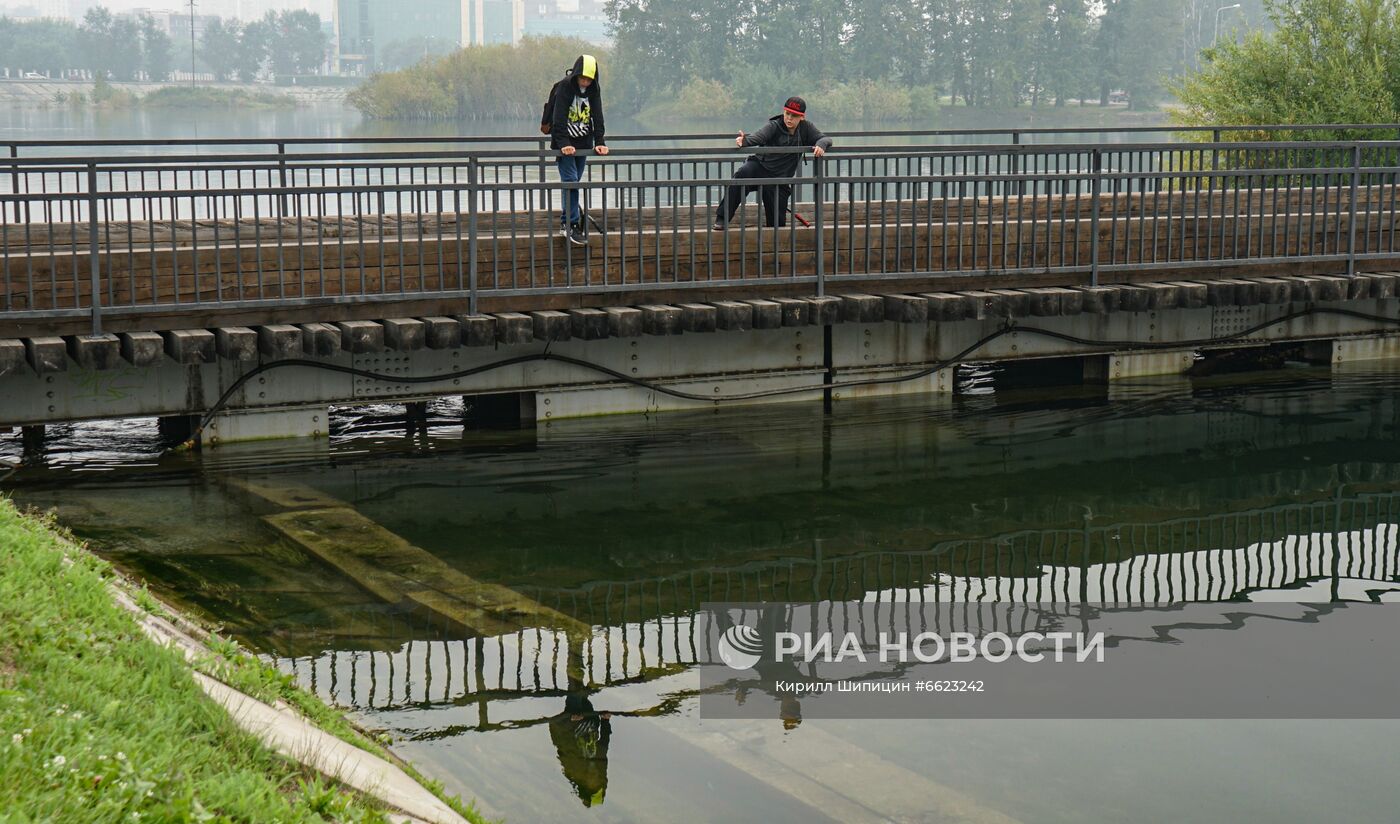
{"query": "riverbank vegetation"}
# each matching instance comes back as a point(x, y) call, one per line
point(479, 83)
point(1326, 61)
point(99, 724)
point(136, 47)
point(697, 60)
point(104, 95)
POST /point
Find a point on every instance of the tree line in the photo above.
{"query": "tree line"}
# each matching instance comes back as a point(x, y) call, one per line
point(992, 53)
point(126, 47)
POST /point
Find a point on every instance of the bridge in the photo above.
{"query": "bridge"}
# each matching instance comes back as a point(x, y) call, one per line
point(241, 292)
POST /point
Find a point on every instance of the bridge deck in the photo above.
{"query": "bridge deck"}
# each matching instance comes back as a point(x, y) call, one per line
point(204, 264)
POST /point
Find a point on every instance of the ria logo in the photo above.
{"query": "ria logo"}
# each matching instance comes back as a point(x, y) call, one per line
point(740, 647)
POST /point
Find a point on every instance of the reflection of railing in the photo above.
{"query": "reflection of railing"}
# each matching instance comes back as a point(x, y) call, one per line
point(131, 235)
point(644, 630)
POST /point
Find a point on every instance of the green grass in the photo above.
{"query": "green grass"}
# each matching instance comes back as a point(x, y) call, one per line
point(182, 97)
point(231, 664)
point(99, 724)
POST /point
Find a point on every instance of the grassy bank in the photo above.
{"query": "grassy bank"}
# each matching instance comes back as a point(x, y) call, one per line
point(98, 724)
point(104, 95)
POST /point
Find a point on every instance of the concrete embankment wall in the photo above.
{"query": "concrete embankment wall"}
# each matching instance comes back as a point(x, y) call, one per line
point(44, 92)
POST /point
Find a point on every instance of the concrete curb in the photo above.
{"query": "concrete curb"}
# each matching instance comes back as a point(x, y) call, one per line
point(281, 728)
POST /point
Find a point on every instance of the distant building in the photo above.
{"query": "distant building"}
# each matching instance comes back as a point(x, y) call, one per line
point(174, 23)
point(593, 28)
point(365, 30)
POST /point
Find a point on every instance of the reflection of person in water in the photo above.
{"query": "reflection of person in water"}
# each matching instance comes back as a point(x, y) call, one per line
point(580, 735)
point(773, 618)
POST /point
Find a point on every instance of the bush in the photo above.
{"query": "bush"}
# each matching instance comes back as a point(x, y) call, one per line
point(477, 83)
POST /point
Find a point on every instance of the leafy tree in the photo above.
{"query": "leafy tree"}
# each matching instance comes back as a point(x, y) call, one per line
point(219, 48)
point(48, 46)
point(296, 43)
point(1326, 61)
point(155, 49)
point(254, 42)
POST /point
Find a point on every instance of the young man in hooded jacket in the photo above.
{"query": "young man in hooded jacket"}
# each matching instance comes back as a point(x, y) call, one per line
point(578, 125)
point(791, 128)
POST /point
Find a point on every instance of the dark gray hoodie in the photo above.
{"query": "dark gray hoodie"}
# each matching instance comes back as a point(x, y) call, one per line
point(774, 133)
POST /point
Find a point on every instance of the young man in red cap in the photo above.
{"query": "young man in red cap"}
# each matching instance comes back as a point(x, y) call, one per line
point(791, 128)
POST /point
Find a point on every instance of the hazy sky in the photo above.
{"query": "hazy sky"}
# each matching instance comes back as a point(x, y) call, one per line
point(245, 9)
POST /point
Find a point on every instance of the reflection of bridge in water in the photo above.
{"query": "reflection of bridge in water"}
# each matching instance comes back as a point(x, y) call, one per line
point(648, 630)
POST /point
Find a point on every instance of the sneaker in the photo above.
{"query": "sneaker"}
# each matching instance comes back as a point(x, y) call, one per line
point(717, 226)
point(577, 235)
point(563, 230)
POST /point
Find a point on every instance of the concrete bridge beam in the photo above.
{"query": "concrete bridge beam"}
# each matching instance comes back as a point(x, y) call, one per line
point(46, 355)
point(236, 343)
point(141, 349)
point(320, 340)
point(95, 352)
point(190, 346)
point(280, 341)
point(11, 356)
point(361, 336)
point(442, 333)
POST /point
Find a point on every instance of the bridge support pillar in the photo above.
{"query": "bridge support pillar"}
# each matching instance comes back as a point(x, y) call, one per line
point(266, 424)
point(177, 428)
point(1362, 349)
point(32, 440)
point(1122, 365)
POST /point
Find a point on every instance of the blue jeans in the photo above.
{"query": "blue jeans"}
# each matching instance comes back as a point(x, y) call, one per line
point(570, 170)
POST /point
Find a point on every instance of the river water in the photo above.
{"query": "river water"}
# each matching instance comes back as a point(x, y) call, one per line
point(626, 523)
point(333, 121)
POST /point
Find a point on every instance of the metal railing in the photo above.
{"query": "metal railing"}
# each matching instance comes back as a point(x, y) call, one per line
point(123, 236)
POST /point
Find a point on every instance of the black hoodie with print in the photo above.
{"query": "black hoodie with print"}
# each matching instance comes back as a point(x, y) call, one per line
point(578, 115)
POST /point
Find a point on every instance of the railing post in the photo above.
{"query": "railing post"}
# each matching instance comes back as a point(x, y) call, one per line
point(94, 263)
point(1016, 162)
point(819, 221)
point(14, 178)
point(473, 187)
point(282, 178)
point(1351, 220)
point(1214, 150)
point(544, 147)
point(1095, 186)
